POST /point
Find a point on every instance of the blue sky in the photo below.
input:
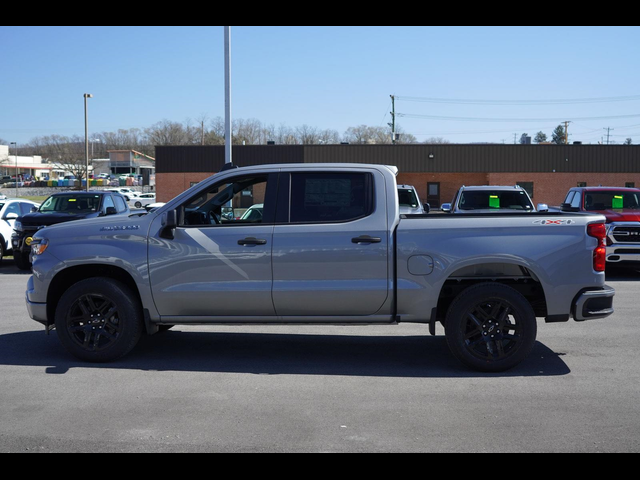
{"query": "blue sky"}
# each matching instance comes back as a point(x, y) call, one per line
point(325, 77)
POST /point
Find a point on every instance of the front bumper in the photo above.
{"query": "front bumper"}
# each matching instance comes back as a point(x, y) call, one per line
point(623, 242)
point(594, 304)
point(618, 253)
point(22, 243)
point(37, 311)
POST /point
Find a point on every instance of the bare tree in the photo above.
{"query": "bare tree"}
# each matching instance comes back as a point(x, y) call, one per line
point(376, 135)
point(65, 153)
point(436, 141)
point(167, 132)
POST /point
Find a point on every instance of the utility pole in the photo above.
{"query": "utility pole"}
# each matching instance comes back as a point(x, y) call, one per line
point(393, 119)
point(608, 129)
point(566, 132)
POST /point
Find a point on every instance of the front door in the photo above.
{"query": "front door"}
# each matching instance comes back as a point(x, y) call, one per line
point(218, 264)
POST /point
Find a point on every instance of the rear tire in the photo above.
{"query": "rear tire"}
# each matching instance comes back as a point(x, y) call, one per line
point(99, 320)
point(491, 327)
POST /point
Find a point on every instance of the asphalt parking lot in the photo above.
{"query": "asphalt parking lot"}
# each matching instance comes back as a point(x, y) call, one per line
point(320, 389)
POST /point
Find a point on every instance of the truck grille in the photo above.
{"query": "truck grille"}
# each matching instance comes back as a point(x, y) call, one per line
point(627, 234)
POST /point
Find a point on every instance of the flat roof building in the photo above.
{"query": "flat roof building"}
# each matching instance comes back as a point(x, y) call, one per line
point(547, 172)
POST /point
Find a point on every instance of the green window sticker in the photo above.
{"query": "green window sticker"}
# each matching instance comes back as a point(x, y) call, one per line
point(494, 201)
point(618, 203)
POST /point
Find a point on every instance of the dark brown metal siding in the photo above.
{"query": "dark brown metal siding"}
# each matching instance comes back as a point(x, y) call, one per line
point(485, 158)
point(210, 158)
point(414, 158)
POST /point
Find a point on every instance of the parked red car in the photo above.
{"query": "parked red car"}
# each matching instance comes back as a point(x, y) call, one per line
point(621, 207)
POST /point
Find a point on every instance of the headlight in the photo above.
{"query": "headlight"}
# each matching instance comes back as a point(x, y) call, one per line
point(17, 226)
point(39, 246)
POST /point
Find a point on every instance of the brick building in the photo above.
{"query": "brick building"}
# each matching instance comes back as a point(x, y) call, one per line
point(437, 171)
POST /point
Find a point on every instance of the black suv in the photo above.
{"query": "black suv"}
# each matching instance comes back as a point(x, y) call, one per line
point(60, 208)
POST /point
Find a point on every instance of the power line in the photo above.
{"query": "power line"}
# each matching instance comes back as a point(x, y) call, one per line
point(482, 119)
point(563, 101)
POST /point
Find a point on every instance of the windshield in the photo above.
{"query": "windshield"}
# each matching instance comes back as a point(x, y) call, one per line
point(407, 198)
point(71, 204)
point(495, 200)
point(612, 200)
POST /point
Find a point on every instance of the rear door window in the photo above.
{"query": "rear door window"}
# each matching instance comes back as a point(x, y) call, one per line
point(330, 197)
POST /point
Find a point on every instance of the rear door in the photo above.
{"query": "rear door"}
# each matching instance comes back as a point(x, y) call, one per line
point(330, 244)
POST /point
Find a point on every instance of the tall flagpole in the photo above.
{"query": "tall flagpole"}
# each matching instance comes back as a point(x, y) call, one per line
point(227, 95)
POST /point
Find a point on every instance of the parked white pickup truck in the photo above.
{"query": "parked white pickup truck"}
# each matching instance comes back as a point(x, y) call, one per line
point(329, 248)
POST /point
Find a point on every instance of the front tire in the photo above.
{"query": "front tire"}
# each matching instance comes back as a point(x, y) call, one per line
point(22, 260)
point(99, 320)
point(491, 327)
point(138, 205)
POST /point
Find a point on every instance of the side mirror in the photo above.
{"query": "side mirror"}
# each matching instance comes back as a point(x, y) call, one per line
point(427, 208)
point(446, 207)
point(34, 209)
point(169, 224)
point(566, 207)
point(111, 211)
point(543, 207)
point(11, 216)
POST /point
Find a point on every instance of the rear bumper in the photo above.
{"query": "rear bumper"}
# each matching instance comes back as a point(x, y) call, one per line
point(594, 304)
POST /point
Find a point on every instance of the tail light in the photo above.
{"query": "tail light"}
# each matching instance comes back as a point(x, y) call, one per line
point(599, 231)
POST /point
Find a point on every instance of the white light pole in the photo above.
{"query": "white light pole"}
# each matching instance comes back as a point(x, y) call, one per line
point(16, 146)
point(86, 137)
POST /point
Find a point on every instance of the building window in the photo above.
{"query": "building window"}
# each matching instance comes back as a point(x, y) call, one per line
point(630, 184)
point(582, 184)
point(528, 187)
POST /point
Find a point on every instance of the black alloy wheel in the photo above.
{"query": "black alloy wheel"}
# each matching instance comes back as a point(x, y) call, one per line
point(94, 322)
point(99, 319)
point(491, 327)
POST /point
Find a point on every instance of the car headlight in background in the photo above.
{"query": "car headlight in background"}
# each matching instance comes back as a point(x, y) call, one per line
point(17, 226)
point(38, 246)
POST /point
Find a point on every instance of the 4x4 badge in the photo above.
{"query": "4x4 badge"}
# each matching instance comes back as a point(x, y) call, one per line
point(554, 222)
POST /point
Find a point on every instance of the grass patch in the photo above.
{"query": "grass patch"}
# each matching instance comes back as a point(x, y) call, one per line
point(37, 199)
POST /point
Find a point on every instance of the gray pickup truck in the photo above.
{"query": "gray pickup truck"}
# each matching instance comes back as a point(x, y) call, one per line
point(329, 248)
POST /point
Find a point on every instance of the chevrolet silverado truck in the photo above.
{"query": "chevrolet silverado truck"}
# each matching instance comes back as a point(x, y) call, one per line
point(621, 208)
point(329, 248)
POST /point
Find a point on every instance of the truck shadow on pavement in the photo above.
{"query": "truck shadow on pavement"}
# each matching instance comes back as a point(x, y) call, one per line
point(277, 354)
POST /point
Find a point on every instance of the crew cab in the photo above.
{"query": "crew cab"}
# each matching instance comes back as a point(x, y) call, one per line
point(491, 199)
point(329, 248)
point(621, 207)
point(61, 208)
